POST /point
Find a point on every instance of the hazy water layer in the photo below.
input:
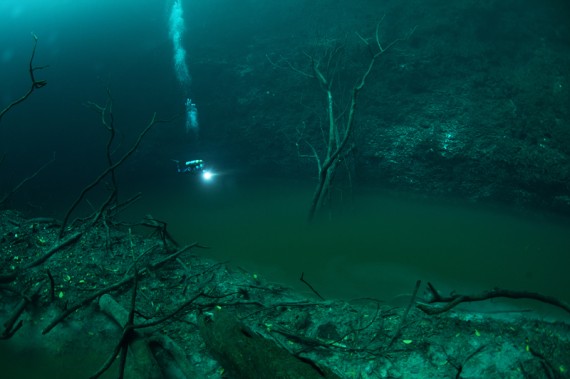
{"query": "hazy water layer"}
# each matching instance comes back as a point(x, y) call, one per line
point(379, 246)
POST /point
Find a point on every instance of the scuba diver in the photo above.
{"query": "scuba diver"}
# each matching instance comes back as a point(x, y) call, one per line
point(194, 167)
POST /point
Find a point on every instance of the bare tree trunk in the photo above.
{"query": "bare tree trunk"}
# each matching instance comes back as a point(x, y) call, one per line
point(337, 145)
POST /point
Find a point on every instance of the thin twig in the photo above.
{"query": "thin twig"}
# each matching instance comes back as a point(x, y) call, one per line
point(36, 84)
point(310, 286)
point(404, 315)
point(109, 169)
point(4, 199)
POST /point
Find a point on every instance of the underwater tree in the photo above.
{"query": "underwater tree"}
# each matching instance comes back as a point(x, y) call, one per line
point(338, 137)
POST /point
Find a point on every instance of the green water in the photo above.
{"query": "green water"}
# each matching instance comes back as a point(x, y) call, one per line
point(376, 245)
point(34, 363)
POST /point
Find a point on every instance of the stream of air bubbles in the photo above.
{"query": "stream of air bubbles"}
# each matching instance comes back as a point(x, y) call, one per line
point(176, 31)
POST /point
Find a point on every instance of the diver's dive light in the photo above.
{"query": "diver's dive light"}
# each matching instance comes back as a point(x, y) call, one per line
point(207, 175)
point(195, 167)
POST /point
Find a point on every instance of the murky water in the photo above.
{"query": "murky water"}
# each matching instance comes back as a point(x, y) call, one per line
point(378, 245)
point(37, 362)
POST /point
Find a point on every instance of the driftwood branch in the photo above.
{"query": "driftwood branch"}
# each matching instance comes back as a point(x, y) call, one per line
point(450, 302)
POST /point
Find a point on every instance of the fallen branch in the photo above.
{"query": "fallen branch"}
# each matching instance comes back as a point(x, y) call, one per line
point(7, 278)
point(456, 299)
point(12, 325)
point(160, 227)
point(68, 241)
point(110, 169)
point(115, 286)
